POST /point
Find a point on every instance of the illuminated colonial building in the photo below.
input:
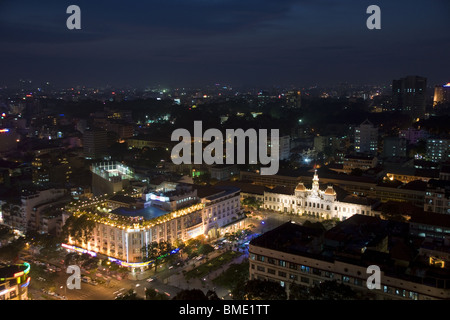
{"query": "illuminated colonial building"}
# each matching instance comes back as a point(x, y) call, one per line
point(168, 213)
point(316, 202)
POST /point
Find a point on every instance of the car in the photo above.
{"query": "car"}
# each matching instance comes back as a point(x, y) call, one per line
point(150, 279)
point(171, 267)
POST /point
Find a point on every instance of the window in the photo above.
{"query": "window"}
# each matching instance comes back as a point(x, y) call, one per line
point(358, 282)
point(345, 279)
point(304, 269)
point(271, 271)
point(413, 295)
point(316, 271)
point(282, 274)
point(282, 263)
point(293, 277)
point(259, 268)
point(293, 266)
point(304, 279)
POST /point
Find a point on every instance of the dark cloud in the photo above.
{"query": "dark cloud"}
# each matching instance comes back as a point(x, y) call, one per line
point(245, 41)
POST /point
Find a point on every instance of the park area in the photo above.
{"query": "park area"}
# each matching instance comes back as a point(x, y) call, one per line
point(212, 265)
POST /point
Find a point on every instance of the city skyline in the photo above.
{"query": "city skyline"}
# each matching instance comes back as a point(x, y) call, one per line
point(314, 160)
point(197, 43)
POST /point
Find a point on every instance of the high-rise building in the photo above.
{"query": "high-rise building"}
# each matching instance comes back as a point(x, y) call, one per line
point(441, 94)
point(413, 135)
point(366, 138)
point(95, 143)
point(409, 95)
point(438, 150)
point(294, 99)
point(51, 168)
point(437, 196)
point(394, 147)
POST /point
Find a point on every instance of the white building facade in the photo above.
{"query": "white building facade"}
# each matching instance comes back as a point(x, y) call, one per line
point(314, 202)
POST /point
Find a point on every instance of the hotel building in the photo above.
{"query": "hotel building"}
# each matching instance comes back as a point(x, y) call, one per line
point(170, 213)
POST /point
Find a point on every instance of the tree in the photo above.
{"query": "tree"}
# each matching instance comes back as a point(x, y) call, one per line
point(252, 202)
point(332, 290)
point(195, 294)
point(259, 290)
point(156, 252)
point(79, 228)
point(12, 250)
point(151, 294)
point(298, 292)
point(205, 248)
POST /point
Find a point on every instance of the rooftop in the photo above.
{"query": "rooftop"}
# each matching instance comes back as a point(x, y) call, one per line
point(290, 238)
point(147, 213)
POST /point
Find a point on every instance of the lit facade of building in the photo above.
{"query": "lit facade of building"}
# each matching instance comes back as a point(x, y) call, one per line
point(20, 216)
point(14, 281)
point(50, 168)
point(351, 162)
point(221, 212)
point(437, 196)
point(366, 138)
point(438, 150)
point(441, 94)
point(172, 215)
point(121, 235)
point(314, 202)
point(110, 177)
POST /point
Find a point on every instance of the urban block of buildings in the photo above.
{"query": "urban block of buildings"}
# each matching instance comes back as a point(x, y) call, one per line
point(307, 256)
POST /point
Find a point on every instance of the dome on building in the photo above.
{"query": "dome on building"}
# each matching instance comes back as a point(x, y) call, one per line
point(330, 191)
point(300, 187)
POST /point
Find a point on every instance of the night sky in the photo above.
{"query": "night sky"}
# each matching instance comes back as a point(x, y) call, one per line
point(237, 42)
